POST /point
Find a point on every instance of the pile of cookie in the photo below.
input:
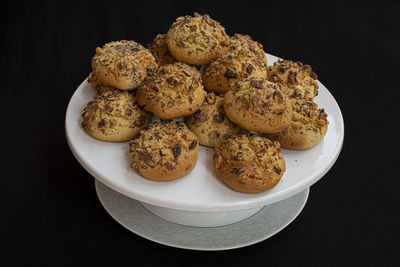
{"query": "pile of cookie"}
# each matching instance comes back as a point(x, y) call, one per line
point(194, 86)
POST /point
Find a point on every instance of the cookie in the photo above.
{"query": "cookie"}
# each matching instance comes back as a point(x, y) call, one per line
point(123, 64)
point(299, 78)
point(174, 91)
point(197, 40)
point(308, 127)
point(160, 50)
point(98, 85)
point(249, 163)
point(245, 59)
point(209, 123)
point(258, 105)
point(244, 44)
point(114, 116)
point(164, 151)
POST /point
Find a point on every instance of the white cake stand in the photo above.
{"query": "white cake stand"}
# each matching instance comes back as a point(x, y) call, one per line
point(200, 200)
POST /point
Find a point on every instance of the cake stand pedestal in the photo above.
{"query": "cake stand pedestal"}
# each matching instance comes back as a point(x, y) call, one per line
point(252, 229)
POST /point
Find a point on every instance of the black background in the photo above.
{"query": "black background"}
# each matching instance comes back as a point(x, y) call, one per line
point(49, 211)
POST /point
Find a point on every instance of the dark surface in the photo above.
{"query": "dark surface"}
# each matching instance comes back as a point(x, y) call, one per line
point(49, 211)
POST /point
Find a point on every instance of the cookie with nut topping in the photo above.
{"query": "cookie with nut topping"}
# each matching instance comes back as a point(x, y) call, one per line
point(299, 78)
point(210, 123)
point(123, 64)
point(197, 39)
point(164, 151)
point(114, 116)
point(245, 59)
point(174, 91)
point(258, 105)
point(249, 163)
point(160, 50)
point(308, 127)
point(98, 85)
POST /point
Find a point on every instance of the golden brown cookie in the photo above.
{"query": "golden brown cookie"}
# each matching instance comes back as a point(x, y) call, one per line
point(299, 78)
point(244, 44)
point(164, 151)
point(258, 105)
point(175, 90)
point(114, 116)
point(210, 123)
point(308, 127)
point(123, 64)
point(160, 50)
point(197, 40)
point(249, 163)
point(98, 85)
point(245, 59)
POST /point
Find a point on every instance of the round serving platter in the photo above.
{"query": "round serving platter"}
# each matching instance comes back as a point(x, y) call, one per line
point(201, 191)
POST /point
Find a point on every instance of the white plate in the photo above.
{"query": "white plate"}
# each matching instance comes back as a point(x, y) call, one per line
point(262, 225)
point(200, 190)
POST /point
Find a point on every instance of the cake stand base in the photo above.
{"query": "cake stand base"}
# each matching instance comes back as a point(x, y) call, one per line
point(254, 228)
point(201, 219)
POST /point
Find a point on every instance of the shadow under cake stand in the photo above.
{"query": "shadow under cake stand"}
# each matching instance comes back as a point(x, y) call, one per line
point(199, 211)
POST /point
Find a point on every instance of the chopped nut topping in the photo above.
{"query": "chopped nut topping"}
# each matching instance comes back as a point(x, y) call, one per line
point(187, 19)
point(278, 96)
point(211, 98)
point(169, 166)
point(292, 77)
point(230, 74)
point(193, 145)
point(102, 123)
point(250, 69)
point(238, 170)
point(215, 134)
point(176, 150)
point(200, 116)
point(283, 68)
point(257, 84)
point(122, 65)
point(172, 81)
point(313, 75)
point(278, 169)
point(140, 121)
point(223, 43)
point(145, 155)
point(219, 117)
point(180, 44)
